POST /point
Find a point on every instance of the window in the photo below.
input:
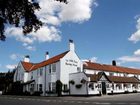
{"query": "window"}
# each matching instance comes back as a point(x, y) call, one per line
point(65, 87)
point(99, 86)
point(40, 87)
point(111, 73)
point(52, 86)
point(113, 86)
point(91, 85)
point(49, 68)
point(41, 71)
point(32, 87)
point(37, 87)
point(49, 86)
point(37, 72)
point(107, 85)
point(54, 67)
point(125, 75)
point(78, 69)
point(31, 75)
point(119, 86)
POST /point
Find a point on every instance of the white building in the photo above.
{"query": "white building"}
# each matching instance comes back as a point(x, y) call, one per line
point(43, 76)
point(78, 77)
point(104, 79)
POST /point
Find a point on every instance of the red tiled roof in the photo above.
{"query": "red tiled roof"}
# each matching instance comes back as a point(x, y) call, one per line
point(115, 79)
point(30, 66)
point(110, 68)
point(27, 65)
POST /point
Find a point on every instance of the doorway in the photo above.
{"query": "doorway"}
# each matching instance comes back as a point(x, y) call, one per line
point(103, 88)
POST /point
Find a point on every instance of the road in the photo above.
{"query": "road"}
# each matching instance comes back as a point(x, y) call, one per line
point(122, 99)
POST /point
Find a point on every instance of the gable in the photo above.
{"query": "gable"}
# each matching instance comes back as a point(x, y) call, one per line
point(103, 78)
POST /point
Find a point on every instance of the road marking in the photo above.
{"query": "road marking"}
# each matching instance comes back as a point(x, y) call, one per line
point(20, 99)
point(134, 104)
point(59, 101)
point(47, 100)
point(72, 101)
point(79, 102)
point(121, 103)
point(98, 103)
point(86, 102)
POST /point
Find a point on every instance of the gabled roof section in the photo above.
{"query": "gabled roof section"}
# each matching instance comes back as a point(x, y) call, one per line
point(96, 77)
point(33, 66)
point(27, 66)
point(110, 68)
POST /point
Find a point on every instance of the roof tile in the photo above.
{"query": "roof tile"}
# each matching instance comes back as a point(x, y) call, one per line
point(110, 68)
point(33, 66)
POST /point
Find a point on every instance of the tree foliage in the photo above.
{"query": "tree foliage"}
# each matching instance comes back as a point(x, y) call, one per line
point(59, 87)
point(20, 13)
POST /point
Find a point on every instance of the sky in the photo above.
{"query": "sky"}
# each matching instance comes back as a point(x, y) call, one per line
point(102, 30)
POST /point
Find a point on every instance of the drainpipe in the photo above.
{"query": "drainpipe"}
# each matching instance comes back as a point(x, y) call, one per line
point(45, 83)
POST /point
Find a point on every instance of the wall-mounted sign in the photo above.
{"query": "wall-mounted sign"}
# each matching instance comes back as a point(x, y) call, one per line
point(71, 62)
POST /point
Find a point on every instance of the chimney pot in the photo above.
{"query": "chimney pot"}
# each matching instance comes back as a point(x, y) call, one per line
point(114, 63)
point(71, 45)
point(27, 58)
point(47, 55)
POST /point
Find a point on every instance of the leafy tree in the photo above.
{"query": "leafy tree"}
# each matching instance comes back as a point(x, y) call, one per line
point(59, 87)
point(14, 11)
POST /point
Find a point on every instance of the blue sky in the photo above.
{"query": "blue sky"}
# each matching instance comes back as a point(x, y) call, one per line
point(102, 30)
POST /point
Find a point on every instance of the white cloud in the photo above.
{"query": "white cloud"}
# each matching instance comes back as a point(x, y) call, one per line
point(16, 56)
point(17, 33)
point(94, 59)
point(132, 58)
point(53, 13)
point(137, 52)
point(129, 59)
point(76, 11)
point(45, 34)
point(31, 48)
point(13, 56)
point(135, 37)
point(11, 66)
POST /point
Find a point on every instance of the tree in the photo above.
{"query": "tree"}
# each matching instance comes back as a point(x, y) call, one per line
point(14, 11)
point(59, 87)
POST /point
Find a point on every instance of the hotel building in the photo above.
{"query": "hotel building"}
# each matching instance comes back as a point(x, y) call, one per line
point(78, 77)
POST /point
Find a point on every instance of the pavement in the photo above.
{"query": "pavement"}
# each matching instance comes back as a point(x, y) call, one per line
point(121, 99)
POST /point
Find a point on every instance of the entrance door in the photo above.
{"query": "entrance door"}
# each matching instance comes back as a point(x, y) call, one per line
point(103, 88)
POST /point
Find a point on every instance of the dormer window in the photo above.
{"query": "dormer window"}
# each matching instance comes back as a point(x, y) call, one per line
point(111, 73)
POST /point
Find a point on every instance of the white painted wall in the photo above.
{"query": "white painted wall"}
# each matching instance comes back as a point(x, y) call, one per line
point(19, 74)
point(69, 64)
point(77, 77)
